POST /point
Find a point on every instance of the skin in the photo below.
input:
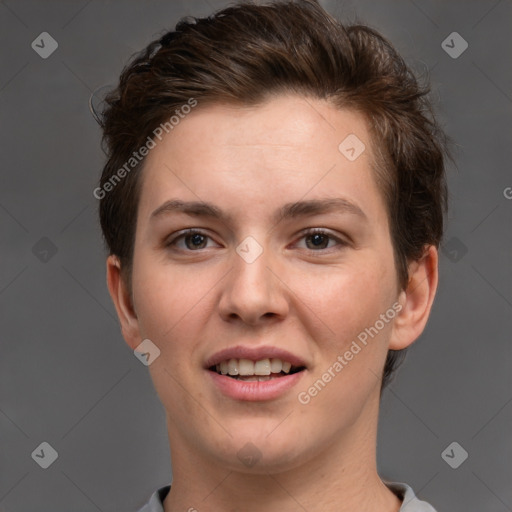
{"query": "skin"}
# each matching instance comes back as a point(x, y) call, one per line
point(311, 301)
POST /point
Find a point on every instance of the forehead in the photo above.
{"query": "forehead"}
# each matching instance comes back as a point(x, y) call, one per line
point(289, 146)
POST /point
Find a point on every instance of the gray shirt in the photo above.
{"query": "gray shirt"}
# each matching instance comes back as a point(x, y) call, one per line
point(409, 501)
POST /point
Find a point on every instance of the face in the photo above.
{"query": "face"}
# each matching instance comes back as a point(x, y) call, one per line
point(291, 261)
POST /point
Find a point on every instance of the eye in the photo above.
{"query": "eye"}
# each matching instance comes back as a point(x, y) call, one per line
point(319, 239)
point(193, 239)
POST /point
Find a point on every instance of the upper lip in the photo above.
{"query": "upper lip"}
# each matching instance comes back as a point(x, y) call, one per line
point(254, 354)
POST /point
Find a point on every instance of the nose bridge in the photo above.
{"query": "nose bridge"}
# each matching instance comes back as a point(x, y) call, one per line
point(251, 274)
point(253, 291)
point(251, 265)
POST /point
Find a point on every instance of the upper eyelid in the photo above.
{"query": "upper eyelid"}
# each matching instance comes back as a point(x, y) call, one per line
point(322, 231)
point(187, 232)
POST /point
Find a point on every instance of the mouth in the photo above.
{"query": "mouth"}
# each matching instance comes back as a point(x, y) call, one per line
point(261, 370)
point(255, 374)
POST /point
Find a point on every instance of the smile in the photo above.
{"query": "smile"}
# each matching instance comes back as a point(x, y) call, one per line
point(255, 371)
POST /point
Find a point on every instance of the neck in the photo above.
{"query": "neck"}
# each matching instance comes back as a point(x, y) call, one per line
point(341, 478)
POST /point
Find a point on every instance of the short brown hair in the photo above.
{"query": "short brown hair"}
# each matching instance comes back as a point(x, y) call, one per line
point(247, 53)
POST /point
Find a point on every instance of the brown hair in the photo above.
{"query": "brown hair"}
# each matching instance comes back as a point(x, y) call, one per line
point(246, 53)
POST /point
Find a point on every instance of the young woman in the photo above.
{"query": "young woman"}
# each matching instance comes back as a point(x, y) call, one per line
point(272, 204)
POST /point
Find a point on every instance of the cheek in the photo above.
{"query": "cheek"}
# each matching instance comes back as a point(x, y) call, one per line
point(165, 297)
point(156, 304)
point(170, 307)
point(173, 307)
point(348, 298)
point(353, 341)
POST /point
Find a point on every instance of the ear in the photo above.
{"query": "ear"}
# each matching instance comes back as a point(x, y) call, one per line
point(416, 300)
point(122, 301)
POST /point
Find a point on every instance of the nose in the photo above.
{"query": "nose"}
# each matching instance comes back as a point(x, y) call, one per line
point(254, 292)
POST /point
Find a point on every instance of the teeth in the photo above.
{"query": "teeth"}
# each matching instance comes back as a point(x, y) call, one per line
point(233, 367)
point(262, 367)
point(255, 378)
point(246, 367)
point(276, 365)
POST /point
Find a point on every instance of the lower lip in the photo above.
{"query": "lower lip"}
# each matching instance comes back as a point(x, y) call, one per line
point(254, 391)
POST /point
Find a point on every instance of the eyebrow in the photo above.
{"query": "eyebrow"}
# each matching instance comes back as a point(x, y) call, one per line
point(287, 211)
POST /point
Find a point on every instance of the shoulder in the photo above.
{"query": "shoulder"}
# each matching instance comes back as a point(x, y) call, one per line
point(156, 502)
point(410, 502)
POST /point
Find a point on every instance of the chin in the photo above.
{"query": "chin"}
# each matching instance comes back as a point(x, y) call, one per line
point(264, 453)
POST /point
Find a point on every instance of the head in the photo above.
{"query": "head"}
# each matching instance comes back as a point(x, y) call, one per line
point(248, 110)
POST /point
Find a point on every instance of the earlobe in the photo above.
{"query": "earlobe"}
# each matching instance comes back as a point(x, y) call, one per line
point(416, 300)
point(122, 301)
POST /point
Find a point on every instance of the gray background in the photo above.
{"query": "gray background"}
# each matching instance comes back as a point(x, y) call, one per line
point(66, 375)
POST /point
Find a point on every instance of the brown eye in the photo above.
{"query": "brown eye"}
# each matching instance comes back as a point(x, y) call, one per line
point(317, 240)
point(197, 241)
point(193, 240)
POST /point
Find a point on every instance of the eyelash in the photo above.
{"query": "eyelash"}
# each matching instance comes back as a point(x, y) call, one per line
point(310, 232)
